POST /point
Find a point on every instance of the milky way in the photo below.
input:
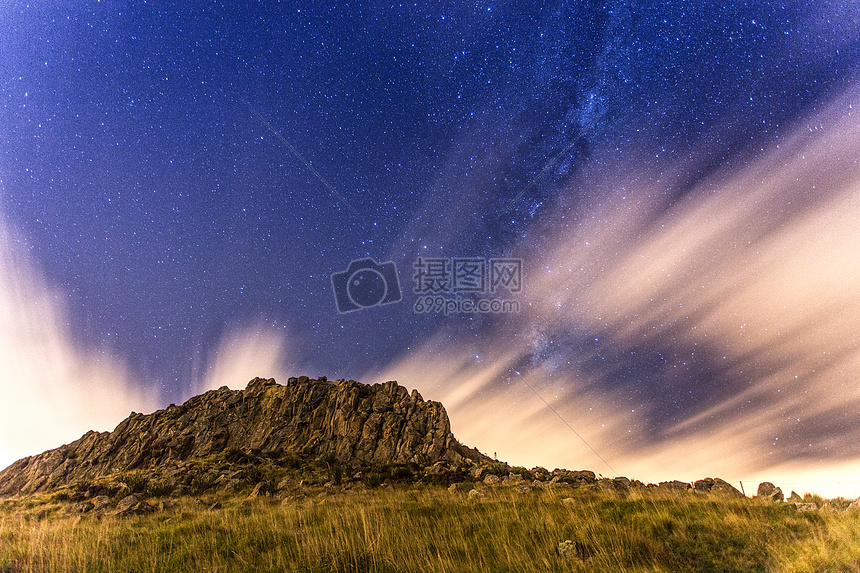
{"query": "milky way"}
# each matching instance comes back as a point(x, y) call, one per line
point(680, 184)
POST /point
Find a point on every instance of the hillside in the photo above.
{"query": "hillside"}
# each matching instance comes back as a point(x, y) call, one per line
point(353, 424)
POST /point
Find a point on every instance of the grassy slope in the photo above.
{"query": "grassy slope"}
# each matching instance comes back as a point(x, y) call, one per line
point(426, 528)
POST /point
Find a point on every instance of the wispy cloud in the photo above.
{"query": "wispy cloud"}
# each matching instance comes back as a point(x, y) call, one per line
point(52, 389)
point(717, 335)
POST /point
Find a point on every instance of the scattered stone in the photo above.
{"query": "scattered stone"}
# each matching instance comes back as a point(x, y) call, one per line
point(121, 491)
point(621, 483)
point(477, 494)
point(800, 506)
point(126, 504)
point(491, 479)
point(570, 550)
point(460, 487)
point(605, 483)
point(540, 473)
point(101, 503)
point(289, 482)
point(674, 486)
point(259, 489)
point(767, 490)
point(716, 486)
point(522, 488)
point(575, 478)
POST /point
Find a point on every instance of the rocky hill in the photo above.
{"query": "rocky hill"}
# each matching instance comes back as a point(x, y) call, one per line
point(351, 424)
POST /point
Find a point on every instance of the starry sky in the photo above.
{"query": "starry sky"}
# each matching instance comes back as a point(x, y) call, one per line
point(179, 182)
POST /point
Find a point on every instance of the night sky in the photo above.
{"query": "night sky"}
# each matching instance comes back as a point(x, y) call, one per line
point(681, 186)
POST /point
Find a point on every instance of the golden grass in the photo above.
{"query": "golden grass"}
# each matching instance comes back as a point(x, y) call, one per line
point(428, 529)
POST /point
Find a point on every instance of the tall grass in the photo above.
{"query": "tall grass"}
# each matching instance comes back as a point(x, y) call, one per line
point(428, 529)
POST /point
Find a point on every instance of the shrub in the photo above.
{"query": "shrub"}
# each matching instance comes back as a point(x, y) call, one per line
point(201, 483)
point(158, 488)
point(372, 479)
point(135, 481)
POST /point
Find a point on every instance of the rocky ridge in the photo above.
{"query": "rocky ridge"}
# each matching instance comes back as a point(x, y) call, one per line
point(352, 424)
point(308, 438)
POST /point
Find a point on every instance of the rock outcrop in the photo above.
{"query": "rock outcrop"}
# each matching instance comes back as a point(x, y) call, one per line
point(355, 424)
point(767, 490)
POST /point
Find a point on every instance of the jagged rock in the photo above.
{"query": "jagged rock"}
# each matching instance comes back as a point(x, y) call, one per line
point(80, 508)
point(575, 478)
point(513, 479)
point(491, 479)
point(523, 488)
point(605, 483)
point(132, 505)
point(800, 506)
point(359, 425)
point(794, 498)
point(621, 483)
point(126, 503)
point(674, 486)
point(259, 490)
point(767, 490)
point(101, 502)
point(716, 486)
point(540, 473)
point(288, 482)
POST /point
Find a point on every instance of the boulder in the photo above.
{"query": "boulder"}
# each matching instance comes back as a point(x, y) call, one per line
point(477, 494)
point(767, 490)
point(126, 504)
point(674, 486)
point(716, 486)
point(259, 490)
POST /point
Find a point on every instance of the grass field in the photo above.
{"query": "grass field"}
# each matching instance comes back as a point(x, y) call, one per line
point(424, 528)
